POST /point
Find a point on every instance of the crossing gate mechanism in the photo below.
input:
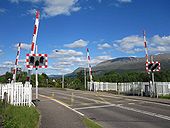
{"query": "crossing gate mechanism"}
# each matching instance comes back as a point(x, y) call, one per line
point(36, 61)
point(153, 66)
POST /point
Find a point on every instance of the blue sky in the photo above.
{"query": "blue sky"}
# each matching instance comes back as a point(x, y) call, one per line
point(109, 28)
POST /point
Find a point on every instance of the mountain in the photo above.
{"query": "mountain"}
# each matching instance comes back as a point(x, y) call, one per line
point(128, 64)
point(123, 64)
point(54, 76)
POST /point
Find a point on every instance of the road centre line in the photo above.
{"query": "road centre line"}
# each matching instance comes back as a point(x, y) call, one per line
point(62, 104)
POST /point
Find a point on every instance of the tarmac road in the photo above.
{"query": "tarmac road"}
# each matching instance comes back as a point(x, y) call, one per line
point(66, 108)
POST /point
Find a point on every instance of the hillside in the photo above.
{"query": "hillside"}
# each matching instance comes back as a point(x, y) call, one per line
point(128, 64)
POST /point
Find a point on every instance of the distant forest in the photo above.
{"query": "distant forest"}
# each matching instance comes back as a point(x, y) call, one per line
point(77, 82)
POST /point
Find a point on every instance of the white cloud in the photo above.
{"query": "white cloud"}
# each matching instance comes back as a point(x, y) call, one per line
point(77, 44)
point(100, 59)
point(124, 1)
point(11, 63)
point(6, 66)
point(66, 63)
point(32, 11)
point(159, 44)
point(60, 70)
point(99, 1)
point(58, 7)
point(64, 53)
point(129, 44)
point(54, 68)
point(24, 46)
point(2, 10)
point(73, 59)
point(1, 51)
point(103, 46)
point(134, 44)
point(54, 7)
point(165, 40)
point(17, 1)
point(22, 61)
point(68, 52)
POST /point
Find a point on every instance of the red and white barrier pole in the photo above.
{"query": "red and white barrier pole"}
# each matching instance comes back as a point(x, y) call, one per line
point(16, 63)
point(34, 39)
point(89, 66)
point(146, 52)
point(145, 45)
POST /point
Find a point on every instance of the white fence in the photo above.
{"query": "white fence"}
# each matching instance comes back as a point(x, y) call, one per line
point(135, 88)
point(17, 93)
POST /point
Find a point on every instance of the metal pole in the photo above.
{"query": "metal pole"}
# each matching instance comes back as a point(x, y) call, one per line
point(153, 81)
point(63, 81)
point(85, 82)
point(36, 78)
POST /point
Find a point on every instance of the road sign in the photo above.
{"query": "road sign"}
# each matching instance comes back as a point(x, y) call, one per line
point(153, 66)
point(36, 61)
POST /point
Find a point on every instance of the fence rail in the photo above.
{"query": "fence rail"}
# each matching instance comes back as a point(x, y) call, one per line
point(17, 93)
point(135, 88)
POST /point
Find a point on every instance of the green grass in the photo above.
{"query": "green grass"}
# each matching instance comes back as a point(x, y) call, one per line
point(19, 116)
point(90, 123)
point(165, 97)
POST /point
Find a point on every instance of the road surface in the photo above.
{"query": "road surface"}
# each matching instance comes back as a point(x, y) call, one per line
point(110, 111)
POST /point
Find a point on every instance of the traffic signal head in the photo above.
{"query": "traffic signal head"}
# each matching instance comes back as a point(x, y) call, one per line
point(37, 63)
point(155, 66)
point(42, 60)
point(152, 66)
point(31, 61)
point(36, 60)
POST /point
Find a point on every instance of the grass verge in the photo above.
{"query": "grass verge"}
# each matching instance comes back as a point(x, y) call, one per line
point(90, 123)
point(165, 97)
point(19, 116)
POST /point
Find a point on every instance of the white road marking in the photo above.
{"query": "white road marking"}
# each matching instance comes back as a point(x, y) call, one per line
point(131, 103)
point(145, 112)
point(144, 101)
point(85, 98)
point(62, 104)
point(129, 109)
point(118, 106)
point(91, 107)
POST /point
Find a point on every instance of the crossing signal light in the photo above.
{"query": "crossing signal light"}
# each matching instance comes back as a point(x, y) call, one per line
point(32, 60)
point(150, 65)
point(42, 60)
point(36, 61)
point(153, 66)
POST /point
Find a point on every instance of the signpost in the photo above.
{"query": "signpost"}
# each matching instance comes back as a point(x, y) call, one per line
point(151, 66)
point(36, 61)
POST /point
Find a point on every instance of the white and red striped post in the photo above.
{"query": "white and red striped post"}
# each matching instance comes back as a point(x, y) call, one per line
point(34, 39)
point(146, 52)
point(16, 63)
point(90, 68)
point(145, 45)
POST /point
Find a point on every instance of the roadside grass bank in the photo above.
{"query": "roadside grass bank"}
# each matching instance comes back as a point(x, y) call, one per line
point(90, 123)
point(19, 116)
point(165, 97)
